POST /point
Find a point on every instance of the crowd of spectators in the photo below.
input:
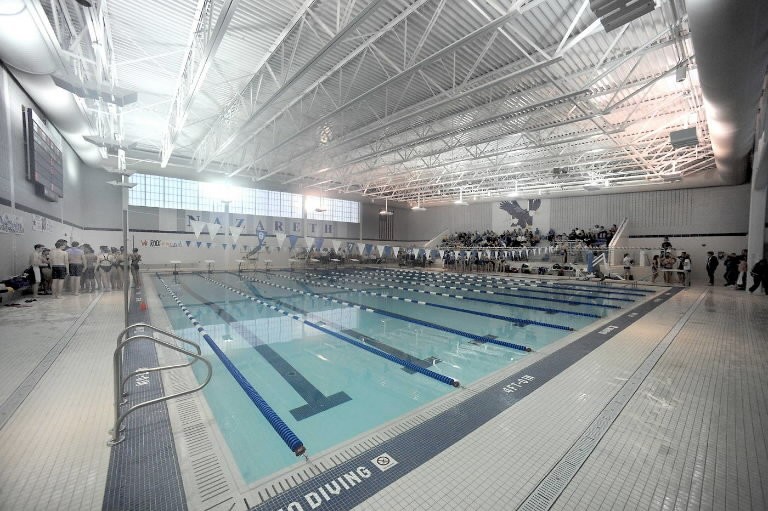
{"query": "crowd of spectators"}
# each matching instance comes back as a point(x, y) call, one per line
point(490, 239)
point(597, 235)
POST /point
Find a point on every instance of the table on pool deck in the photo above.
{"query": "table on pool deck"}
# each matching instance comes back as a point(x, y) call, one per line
point(175, 266)
point(210, 263)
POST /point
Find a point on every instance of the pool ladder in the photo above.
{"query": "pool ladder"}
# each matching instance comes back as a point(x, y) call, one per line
point(144, 331)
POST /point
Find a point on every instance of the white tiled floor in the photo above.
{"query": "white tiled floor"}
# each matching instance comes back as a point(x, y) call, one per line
point(694, 435)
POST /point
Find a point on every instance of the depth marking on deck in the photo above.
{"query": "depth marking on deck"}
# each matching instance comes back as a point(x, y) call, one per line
point(348, 484)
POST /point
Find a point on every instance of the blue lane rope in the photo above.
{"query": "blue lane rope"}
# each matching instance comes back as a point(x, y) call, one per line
point(432, 374)
point(522, 282)
point(471, 299)
point(474, 337)
point(557, 283)
point(483, 291)
point(510, 319)
point(520, 285)
point(282, 429)
point(542, 284)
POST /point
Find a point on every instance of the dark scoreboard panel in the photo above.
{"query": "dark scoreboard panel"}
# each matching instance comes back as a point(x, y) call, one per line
point(45, 165)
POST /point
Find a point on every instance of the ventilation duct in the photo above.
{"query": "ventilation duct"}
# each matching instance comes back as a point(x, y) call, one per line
point(730, 41)
point(29, 47)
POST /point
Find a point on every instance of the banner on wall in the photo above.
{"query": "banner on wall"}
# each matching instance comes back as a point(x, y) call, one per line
point(11, 224)
point(280, 239)
point(361, 248)
point(309, 241)
point(261, 236)
point(292, 239)
point(380, 248)
point(42, 224)
point(213, 229)
point(235, 232)
point(197, 227)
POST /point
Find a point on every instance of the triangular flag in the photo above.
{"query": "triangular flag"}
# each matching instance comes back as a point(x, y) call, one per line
point(368, 248)
point(213, 229)
point(319, 243)
point(336, 244)
point(280, 239)
point(441, 252)
point(292, 238)
point(261, 235)
point(234, 246)
point(208, 244)
point(198, 243)
point(189, 243)
point(361, 248)
point(197, 227)
point(235, 232)
point(397, 251)
point(310, 241)
point(381, 249)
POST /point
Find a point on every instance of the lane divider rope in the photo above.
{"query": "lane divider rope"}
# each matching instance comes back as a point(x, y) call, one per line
point(366, 308)
point(397, 360)
point(501, 283)
point(280, 427)
point(510, 319)
point(526, 282)
point(483, 291)
point(469, 298)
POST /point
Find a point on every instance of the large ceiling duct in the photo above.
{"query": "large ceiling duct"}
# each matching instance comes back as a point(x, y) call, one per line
point(22, 45)
point(29, 47)
point(730, 40)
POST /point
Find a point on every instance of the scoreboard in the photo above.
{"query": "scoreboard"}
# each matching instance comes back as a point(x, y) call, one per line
point(44, 159)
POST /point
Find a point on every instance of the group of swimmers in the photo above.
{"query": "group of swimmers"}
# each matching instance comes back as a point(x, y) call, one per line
point(85, 270)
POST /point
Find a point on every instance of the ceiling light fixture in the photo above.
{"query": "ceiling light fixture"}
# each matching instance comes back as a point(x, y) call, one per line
point(461, 202)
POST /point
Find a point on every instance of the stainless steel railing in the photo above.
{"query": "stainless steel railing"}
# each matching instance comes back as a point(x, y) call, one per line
point(120, 395)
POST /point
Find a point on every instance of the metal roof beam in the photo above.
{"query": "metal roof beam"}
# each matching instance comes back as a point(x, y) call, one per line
point(205, 40)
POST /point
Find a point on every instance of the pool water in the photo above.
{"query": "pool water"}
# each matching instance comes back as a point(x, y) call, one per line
point(328, 390)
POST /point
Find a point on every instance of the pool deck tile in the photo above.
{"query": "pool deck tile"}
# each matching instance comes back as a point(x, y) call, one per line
point(694, 435)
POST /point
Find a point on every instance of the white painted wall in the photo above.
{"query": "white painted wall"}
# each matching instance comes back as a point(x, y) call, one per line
point(87, 199)
point(722, 209)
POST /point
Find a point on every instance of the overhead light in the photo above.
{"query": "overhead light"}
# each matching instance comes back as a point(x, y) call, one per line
point(680, 74)
point(461, 202)
point(683, 138)
point(671, 177)
point(84, 3)
point(386, 211)
point(615, 13)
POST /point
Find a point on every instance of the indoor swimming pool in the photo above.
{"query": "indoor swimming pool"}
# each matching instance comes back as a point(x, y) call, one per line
point(338, 352)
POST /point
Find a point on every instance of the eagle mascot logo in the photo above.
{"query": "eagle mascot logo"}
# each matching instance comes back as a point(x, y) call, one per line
point(520, 217)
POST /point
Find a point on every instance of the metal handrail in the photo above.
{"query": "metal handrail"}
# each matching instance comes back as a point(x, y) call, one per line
point(124, 334)
point(119, 382)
